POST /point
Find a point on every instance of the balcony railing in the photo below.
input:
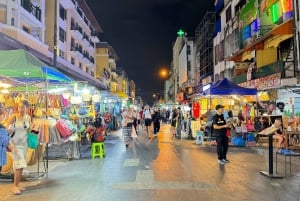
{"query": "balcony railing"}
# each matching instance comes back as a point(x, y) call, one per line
point(86, 56)
point(94, 37)
point(92, 59)
point(76, 48)
point(270, 69)
point(34, 10)
point(86, 37)
point(92, 43)
point(75, 26)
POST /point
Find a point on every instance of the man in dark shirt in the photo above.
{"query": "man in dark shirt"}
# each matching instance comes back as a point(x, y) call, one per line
point(220, 128)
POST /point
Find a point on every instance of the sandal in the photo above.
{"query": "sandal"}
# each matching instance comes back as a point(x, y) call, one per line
point(22, 188)
point(16, 191)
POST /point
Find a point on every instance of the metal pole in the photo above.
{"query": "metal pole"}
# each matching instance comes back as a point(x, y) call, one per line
point(55, 34)
point(296, 32)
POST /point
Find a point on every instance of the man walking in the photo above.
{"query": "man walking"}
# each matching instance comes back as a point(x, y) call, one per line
point(220, 127)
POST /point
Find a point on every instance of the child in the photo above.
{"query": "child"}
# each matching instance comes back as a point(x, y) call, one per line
point(200, 136)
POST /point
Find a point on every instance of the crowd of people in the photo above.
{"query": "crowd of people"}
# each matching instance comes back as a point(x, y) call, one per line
point(13, 130)
point(149, 119)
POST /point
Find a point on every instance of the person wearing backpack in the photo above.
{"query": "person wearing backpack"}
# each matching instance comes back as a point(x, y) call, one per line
point(220, 128)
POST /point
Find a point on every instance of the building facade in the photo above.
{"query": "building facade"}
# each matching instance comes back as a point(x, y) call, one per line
point(204, 34)
point(64, 39)
point(106, 65)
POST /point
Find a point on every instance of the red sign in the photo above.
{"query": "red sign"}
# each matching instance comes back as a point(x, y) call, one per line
point(196, 110)
point(266, 82)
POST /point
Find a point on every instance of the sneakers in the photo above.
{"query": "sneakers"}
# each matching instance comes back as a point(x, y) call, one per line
point(221, 162)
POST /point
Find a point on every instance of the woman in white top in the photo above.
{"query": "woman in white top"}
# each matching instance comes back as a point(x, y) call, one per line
point(20, 123)
point(148, 119)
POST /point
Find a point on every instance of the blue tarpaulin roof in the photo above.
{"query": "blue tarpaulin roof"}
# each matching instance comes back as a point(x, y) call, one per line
point(226, 87)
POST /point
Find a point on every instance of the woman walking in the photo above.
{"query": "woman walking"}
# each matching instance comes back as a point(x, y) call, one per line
point(156, 121)
point(20, 124)
point(148, 119)
point(127, 123)
point(174, 117)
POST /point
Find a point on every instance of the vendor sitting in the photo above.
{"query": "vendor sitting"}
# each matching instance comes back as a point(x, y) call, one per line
point(96, 130)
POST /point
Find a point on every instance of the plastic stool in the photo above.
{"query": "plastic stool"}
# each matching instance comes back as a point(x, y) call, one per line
point(199, 137)
point(97, 150)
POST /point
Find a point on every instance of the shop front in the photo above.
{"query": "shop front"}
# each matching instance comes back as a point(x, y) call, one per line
point(239, 102)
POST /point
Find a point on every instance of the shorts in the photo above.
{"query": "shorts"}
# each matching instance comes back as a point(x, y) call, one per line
point(173, 123)
point(19, 160)
point(148, 122)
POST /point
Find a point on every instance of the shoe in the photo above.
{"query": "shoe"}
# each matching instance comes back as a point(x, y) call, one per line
point(225, 161)
point(221, 162)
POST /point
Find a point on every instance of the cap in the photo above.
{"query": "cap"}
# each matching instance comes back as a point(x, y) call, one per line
point(219, 106)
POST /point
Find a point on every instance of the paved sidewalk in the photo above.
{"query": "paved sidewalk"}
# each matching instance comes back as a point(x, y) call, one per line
point(161, 169)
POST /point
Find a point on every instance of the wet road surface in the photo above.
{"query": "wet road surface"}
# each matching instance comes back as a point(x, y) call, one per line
point(161, 169)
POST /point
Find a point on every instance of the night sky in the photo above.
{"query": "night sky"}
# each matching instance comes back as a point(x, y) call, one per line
point(142, 32)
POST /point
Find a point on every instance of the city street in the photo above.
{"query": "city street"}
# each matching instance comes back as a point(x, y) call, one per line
point(161, 169)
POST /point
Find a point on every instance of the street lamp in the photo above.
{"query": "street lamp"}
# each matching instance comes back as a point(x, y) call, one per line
point(163, 73)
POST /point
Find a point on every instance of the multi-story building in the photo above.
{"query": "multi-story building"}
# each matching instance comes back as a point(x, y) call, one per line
point(182, 73)
point(64, 39)
point(123, 84)
point(265, 42)
point(258, 45)
point(76, 34)
point(105, 69)
point(22, 25)
point(226, 40)
point(132, 92)
point(204, 50)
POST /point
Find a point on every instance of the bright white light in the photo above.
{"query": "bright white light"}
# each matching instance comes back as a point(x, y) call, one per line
point(57, 90)
point(4, 85)
point(186, 108)
point(206, 87)
point(66, 95)
point(86, 91)
point(5, 91)
point(76, 100)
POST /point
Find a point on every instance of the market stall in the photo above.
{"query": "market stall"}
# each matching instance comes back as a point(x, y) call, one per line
point(234, 98)
point(23, 76)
